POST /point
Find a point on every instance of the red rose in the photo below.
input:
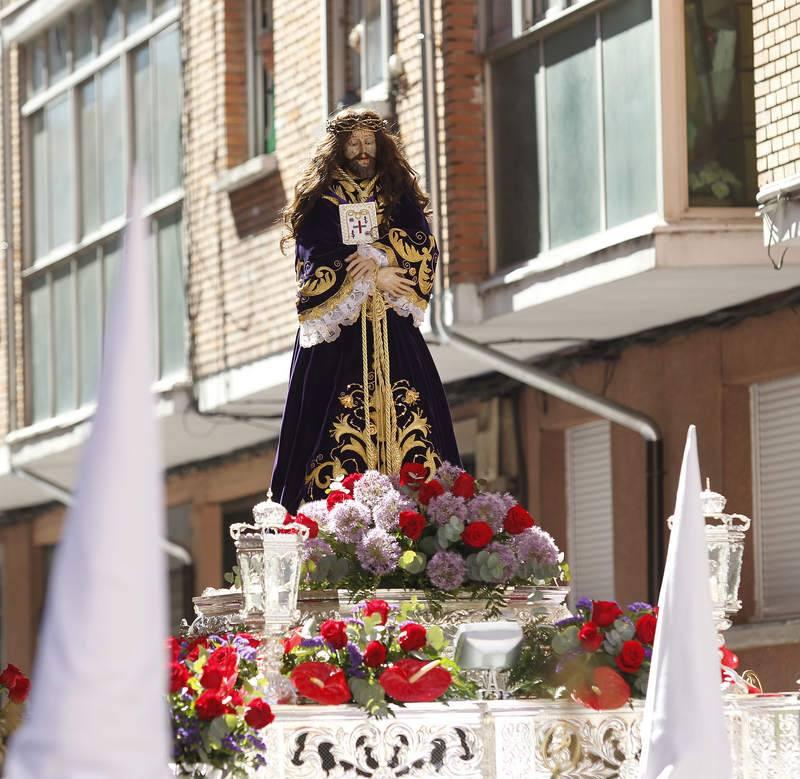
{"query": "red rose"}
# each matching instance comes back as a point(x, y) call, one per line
point(350, 480)
point(412, 636)
point(321, 682)
point(178, 676)
point(334, 632)
point(646, 628)
point(608, 690)
point(415, 681)
point(464, 486)
point(429, 490)
point(313, 527)
point(630, 657)
point(233, 700)
point(10, 675)
point(19, 692)
point(412, 474)
point(337, 496)
point(517, 520)
point(259, 714)
point(604, 612)
point(209, 705)
point(412, 523)
point(377, 606)
point(221, 669)
point(174, 648)
point(193, 650)
point(590, 637)
point(477, 534)
point(374, 654)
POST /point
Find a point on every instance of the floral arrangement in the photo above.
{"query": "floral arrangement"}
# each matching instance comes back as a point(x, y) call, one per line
point(439, 534)
point(374, 658)
point(714, 180)
point(216, 704)
point(600, 656)
point(14, 686)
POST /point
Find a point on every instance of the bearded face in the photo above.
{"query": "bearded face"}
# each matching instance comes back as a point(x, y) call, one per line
point(360, 150)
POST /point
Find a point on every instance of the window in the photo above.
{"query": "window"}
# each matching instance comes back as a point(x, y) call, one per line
point(574, 131)
point(776, 495)
point(86, 125)
point(260, 83)
point(590, 517)
point(720, 104)
point(181, 575)
point(359, 44)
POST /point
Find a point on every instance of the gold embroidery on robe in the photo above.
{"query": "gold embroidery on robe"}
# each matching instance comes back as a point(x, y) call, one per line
point(322, 280)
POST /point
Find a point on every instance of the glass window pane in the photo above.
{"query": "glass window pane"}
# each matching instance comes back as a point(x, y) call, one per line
point(573, 153)
point(109, 22)
point(39, 328)
point(171, 314)
point(720, 103)
point(499, 17)
point(137, 14)
point(142, 115)
point(516, 162)
point(629, 110)
point(90, 324)
point(373, 51)
point(63, 338)
point(164, 5)
point(269, 112)
point(58, 46)
point(111, 255)
point(84, 44)
point(90, 195)
point(38, 60)
point(113, 171)
point(41, 212)
point(167, 60)
point(62, 176)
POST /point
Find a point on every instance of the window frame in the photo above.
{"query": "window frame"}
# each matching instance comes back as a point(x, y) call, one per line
point(257, 78)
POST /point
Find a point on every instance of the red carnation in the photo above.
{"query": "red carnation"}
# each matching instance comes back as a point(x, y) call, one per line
point(334, 632)
point(464, 486)
point(377, 606)
point(313, 527)
point(19, 692)
point(590, 637)
point(429, 490)
point(477, 534)
point(630, 657)
point(605, 612)
point(412, 523)
point(337, 496)
point(350, 480)
point(517, 520)
point(608, 690)
point(321, 682)
point(375, 654)
point(646, 628)
point(259, 714)
point(412, 636)
point(415, 681)
point(413, 474)
point(209, 705)
point(178, 676)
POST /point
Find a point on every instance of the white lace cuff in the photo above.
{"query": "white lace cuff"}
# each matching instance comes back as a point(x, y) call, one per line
point(328, 326)
point(405, 307)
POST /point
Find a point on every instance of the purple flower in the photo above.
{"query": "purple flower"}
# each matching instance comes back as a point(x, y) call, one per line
point(355, 661)
point(448, 473)
point(315, 549)
point(565, 623)
point(229, 742)
point(447, 505)
point(386, 513)
point(639, 606)
point(583, 603)
point(243, 649)
point(349, 520)
point(316, 510)
point(535, 545)
point(312, 642)
point(489, 507)
point(371, 488)
point(648, 652)
point(507, 556)
point(446, 570)
point(378, 552)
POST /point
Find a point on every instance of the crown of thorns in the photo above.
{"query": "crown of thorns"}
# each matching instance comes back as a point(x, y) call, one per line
point(346, 124)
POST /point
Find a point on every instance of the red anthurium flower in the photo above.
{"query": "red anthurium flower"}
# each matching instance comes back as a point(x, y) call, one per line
point(321, 682)
point(728, 658)
point(350, 480)
point(251, 639)
point(337, 496)
point(630, 657)
point(464, 486)
point(334, 631)
point(517, 520)
point(412, 524)
point(178, 677)
point(477, 534)
point(646, 628)
point(605, 612)
point(412, 636)
point(19, 692)
point(590, 637)
point(209, 705)
point(377, 606)
point(292, 641)
point(429, 490)
point(374, 654)
point(412, 474)
point(259, 714)
point(414, 681)
point(608, 690)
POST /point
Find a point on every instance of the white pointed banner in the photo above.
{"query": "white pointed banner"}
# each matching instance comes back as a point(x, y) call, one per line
point(98, 706)
point(683, 731)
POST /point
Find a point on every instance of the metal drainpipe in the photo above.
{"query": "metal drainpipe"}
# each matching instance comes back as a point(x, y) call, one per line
point(521, 371)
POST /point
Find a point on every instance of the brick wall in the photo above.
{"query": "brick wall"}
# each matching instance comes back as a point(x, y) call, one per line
point(776, 24)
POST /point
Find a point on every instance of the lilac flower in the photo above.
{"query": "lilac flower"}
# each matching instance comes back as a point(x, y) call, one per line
point(316, 510)
point(507, 556)
point(639, 606)
point(447, 505)
point(229, 742)
point(256, 742)
point(447, 570)
point(243, 649)
point(315, 549)
point(371, 488)
point(349, 520)
point(535, 545)
point(387, 512)
point(508, 500)
point(448, 473)
point(378, 552)
point(489, 507)
point(356, 660)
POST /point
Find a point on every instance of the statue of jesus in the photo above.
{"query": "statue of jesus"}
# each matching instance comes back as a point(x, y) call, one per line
point(364, 392)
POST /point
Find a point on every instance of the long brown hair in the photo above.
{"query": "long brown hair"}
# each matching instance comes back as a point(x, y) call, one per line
point(391, 165)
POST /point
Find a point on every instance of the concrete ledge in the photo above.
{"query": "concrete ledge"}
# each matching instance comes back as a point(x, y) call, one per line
point(254, 169)
point(758, 634)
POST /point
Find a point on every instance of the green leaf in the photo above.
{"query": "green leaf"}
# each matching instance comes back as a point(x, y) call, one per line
point(217, 731)
point(413, 562)
point(565, 640)
point(436, 638)
point(370, 696)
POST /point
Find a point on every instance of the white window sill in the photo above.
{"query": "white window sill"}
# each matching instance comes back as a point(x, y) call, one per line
point(248, 172)
point(758, 634)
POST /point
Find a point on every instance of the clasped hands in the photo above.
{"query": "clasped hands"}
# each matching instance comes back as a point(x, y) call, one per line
point(391, 280)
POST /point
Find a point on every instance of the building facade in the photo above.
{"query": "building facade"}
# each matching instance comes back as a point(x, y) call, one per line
point(595, 166)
